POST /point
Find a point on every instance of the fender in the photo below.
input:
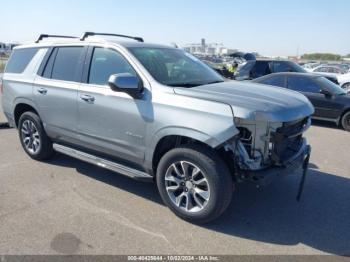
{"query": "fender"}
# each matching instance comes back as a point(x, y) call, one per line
point(16, 102)
point(211, 140)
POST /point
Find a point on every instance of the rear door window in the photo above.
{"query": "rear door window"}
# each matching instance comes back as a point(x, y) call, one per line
point(275, 81)
point(20, 59)
point(303, 84)
point(67, 64)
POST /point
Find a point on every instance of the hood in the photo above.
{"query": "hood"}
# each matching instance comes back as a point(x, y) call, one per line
point(254, 101)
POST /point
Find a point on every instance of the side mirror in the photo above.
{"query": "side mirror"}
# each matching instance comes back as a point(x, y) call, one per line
point(126, 83)
point(326, 92)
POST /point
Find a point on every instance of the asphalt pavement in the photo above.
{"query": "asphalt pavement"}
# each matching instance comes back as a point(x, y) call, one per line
point(65, 206)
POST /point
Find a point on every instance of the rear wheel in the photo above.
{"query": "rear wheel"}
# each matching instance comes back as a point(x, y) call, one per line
point(33, 137)
point(345, 121)
point(194, 183)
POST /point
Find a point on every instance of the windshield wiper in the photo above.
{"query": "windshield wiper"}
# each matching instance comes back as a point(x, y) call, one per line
point(214, 82)
point(195, 84)
point(184, 85)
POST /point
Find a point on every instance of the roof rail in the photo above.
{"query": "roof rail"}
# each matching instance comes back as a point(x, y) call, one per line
point(86, 34)
point(42, 36)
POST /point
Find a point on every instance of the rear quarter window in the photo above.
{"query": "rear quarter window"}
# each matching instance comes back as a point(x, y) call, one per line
point(20, 59)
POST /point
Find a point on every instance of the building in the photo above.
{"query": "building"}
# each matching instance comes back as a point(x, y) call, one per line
point(2, 47)
point(7, 48)
point(208, 49)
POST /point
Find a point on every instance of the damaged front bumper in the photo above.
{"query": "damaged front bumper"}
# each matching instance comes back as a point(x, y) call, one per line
point(297, 163)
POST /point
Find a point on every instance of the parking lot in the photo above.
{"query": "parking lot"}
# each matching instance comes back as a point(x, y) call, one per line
point(65, 206)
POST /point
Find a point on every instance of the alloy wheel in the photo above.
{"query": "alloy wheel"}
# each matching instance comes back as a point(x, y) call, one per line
point(30, 136)
point(187, 186)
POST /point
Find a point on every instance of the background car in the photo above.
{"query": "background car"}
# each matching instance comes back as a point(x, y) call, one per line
point(344, 81)
point(331, 102)
point(328, 70)
point(258, 68)
point(310, 66)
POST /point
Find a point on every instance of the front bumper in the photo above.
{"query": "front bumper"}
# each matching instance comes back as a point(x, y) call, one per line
point(295, 164)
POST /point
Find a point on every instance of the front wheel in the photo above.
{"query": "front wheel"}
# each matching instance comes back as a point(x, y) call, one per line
point(194, 183)
point(345, 121)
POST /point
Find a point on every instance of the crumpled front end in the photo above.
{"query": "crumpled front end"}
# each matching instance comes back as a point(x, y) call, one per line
point(266, 150)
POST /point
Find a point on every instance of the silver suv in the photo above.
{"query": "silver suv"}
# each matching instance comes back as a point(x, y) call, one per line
point(154, 112)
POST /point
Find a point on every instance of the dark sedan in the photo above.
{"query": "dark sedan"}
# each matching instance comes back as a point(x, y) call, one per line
point(257, 68)
point(331, 102)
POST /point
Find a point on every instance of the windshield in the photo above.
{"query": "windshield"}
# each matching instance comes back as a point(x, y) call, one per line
point(330, 86)
point(174, 67)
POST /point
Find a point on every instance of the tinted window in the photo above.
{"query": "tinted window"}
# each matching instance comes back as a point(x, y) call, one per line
point(274, 81)
point(287, 66)
point(20, 59)
point(330, 86)
point(303, 84)
point(321, 69)
point(106, 62)
point(67, 61)
point(49, 64)
point(261, 68)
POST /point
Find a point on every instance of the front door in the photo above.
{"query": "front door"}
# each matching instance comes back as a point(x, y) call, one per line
point(111, 122)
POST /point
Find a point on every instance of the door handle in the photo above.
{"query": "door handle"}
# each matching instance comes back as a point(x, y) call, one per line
point(87, 98)
point(42, 91)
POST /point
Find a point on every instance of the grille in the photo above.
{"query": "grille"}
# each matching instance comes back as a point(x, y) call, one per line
point(287, 140)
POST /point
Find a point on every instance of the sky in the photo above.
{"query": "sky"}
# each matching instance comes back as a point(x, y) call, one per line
point(269, 27)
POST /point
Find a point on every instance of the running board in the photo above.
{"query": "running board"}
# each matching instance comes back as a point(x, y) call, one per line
point(118, 168)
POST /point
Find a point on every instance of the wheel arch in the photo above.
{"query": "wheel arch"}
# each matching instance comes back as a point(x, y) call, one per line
point(346, 83)
point(346, 110)
point(170, 138)
point(21, 106)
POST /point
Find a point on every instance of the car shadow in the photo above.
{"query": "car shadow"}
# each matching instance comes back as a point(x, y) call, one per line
point(272, 215)
point(325, 124)
point(144, 189)
point(269, 215)
point(4, 125)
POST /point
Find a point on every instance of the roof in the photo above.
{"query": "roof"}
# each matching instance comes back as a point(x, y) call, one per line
point(296, 74)
point(311, 75)
point(90, 40)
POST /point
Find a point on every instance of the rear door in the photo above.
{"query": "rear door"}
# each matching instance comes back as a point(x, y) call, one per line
point(56, 91)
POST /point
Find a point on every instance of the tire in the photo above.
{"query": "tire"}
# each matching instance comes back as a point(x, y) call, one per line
point(192, 198)
point(33, 137)
point(346, 86)
point(345, 121)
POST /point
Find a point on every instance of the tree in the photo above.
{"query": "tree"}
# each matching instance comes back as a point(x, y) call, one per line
point(322, 56)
